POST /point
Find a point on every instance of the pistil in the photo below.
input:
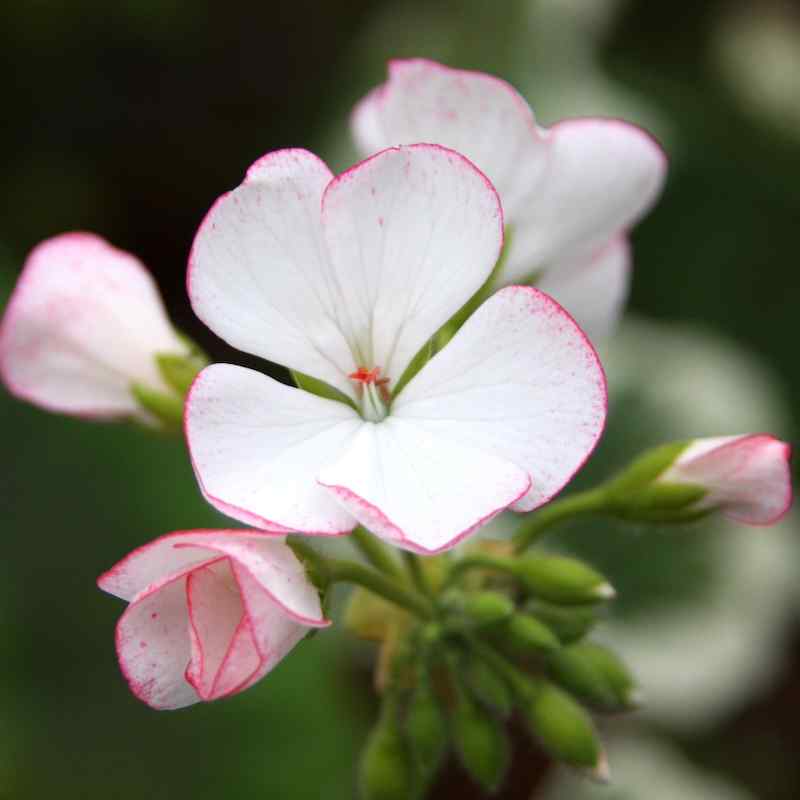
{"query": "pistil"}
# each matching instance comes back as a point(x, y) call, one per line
point(373, 393)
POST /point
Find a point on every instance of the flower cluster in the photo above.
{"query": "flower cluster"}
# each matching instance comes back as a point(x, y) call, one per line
point(436, 305)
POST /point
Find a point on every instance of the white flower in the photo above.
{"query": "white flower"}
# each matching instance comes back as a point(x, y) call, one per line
point(746, 477)
point(211, 613)
point(84, 324)
point(346, 279)
point(570, 193)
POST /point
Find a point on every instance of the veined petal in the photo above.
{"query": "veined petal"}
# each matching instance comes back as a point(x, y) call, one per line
point(421, 491)
point(257, 447)
point(412, 234)
point(262, 553)
point(259, 275)
point(153, 645)
point(273, 632)
point(593, 287)
point(603, 175)
point(521, 382)
point(476, 114)
point(747, 477)
point(224, 655)
point(84, 322)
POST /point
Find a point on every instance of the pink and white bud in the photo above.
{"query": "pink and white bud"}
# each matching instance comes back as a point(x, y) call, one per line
point(746, 477)
point(84, 324)
point(211, 612)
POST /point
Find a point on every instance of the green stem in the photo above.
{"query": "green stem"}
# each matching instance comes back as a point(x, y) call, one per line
point(378, 583)
point(593, 501)
point(377, 555)
point(478, 561)
point(418, 576)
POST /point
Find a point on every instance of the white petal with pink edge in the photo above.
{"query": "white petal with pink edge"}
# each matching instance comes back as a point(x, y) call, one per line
point(602, 177)
point(593, 287)
point(84, 321)
point(206, 628)
point(421, 491)
point(520, 382)
point(747, 477)
point(257, 447)
point(325, 276)
point(476, 114)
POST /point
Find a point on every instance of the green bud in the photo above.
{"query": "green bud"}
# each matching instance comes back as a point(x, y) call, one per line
point(580, 677)
point(320, 388)
point(166, 408)
point(489, 687)
point(386, 770)
point(562, 580)
point(523, 635)
point(481, 742)
point(563, 727)
point(426, 730)
point(569, 623)
point(614, 672)
point(179, 371)
point(488, 608)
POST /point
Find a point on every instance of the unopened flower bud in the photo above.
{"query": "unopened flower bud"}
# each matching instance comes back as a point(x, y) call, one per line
point(560, 579)
point(426, 729)
point(523, 635)
point(488, 608)
point(564, 728)
point(568, 623)
point(481, 741)
point(489, 687)
point(386, 771)
point(595, 675)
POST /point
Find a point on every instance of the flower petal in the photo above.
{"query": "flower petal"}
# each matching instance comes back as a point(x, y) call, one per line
point(747, 477)
point(273, 633)
point(520, 382)
point(153, 645)
point(259, 274)
point(476, 114)
point(592, 287)
point(421, 491)
point(603, 175)
point(412, 233)
point(84, 322)
point(257, 445)
point(224, 655)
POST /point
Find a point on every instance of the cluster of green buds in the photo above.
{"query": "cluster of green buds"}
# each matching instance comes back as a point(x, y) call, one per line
point(502, 636)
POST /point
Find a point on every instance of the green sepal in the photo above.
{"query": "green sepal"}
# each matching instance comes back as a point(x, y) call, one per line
point(416, 364)
point(663, 502)
point(320, 388)
point(562, 580)
point(167, 409)
point(426, 730)
point(563, 727)
point(480, 739)
point(489, 687)
point(645, 469)
point(523, 636)
point(568, 623)
point(386, 771)
point(179, 371)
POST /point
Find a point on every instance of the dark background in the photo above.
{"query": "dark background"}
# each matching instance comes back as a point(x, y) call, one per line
point(129, 119)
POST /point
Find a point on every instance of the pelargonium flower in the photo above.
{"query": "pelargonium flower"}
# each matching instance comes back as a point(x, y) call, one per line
point(345, 279)
point(570, 193)
point(746, 477)
point(211, 612)
point(83, 325)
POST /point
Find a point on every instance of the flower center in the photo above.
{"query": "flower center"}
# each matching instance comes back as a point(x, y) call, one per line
point(373, 393)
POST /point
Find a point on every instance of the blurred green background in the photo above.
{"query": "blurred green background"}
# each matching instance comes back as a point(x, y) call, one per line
point(129, 119)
